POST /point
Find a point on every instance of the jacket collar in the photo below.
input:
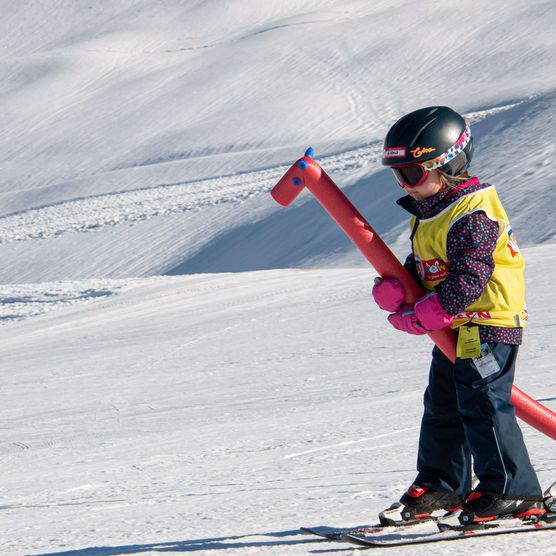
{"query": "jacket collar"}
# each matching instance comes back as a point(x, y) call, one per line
point(408, 204)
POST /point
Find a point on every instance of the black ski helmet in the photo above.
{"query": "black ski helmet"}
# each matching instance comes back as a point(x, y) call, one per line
point(437, 134)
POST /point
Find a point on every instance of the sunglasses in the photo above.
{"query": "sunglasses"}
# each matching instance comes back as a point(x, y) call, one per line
point(410, 175)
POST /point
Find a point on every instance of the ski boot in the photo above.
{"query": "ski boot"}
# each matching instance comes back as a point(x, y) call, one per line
point(420, 504)
point(481, 507)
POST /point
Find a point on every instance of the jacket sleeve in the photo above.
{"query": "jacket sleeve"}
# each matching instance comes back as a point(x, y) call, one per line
point(470, 246)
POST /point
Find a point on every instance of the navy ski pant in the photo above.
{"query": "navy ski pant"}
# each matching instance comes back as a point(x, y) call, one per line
point(469, 421)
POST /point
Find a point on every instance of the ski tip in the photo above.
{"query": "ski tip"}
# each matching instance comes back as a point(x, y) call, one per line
point(310, 152)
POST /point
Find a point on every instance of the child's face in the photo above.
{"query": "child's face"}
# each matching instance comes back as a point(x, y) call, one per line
point(429, 188)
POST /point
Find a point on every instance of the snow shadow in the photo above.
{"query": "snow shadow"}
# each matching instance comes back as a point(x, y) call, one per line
point(303, 234)
point(217, 543)
point(292, 236)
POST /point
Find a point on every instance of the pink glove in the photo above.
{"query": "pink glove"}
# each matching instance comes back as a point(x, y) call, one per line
point(388, 293)
point(430, 314)
point(424, 316)
point(406, 321)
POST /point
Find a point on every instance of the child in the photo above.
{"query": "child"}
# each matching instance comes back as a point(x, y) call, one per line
point(467, 260)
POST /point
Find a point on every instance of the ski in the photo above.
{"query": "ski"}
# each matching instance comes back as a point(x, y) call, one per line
point(334, 533)
point(337, 534)
point(449, 533)
point(389, 520)
point(393, 530)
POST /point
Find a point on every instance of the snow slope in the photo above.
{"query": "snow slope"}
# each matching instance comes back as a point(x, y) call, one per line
point(221, 412)
point(159, 127)
point(186, 366)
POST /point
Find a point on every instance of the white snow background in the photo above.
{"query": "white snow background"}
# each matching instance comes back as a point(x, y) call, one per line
point(187, 367)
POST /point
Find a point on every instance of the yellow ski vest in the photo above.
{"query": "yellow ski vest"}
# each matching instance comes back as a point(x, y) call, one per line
point(503, 301)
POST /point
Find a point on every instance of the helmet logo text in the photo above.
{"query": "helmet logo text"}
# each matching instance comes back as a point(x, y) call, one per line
point(418, 152)
point(393, 152)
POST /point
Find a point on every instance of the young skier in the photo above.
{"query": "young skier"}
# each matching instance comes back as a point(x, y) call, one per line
point(466, 258)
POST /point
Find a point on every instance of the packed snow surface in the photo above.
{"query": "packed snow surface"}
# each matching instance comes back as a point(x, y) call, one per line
point(185, 365)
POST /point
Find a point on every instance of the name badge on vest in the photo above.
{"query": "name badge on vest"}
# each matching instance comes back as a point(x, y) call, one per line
point(486, 364)
point(469, 342)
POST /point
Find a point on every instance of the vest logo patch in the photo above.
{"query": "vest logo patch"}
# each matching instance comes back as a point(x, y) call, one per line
point(479, 315)
point(431, 270)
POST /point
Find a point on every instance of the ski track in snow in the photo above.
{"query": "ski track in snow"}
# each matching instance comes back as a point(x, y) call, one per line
point(112, 209)
point(20, 301)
